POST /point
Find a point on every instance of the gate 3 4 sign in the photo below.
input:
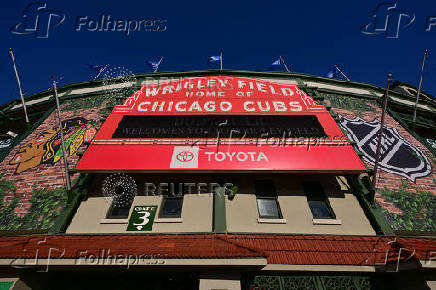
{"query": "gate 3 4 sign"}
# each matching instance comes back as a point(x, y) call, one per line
point(142, 218)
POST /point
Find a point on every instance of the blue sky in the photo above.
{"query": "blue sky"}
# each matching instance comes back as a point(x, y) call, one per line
point(310, 35)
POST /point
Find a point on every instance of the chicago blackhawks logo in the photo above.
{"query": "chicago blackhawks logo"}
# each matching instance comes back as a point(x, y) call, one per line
point(397, 156)
point(45, 148)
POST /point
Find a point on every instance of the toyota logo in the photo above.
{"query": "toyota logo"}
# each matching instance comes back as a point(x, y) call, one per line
point(185, 156)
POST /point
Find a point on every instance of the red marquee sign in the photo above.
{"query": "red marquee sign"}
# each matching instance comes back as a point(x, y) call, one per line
point(220, 124)
point(219, 95)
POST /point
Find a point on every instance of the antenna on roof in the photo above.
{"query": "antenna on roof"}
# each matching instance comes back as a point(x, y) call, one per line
point(340, 71)
point(420, 86)
point(19, 84)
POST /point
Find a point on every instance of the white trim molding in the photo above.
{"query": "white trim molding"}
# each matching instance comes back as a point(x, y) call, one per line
point(271, 221)
point(168, 220)
point(326, 222)
point(114, 221)
point(324, 268)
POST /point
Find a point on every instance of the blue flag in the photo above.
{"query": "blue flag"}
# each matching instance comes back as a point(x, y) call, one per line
point(153, 64)
point(98, 69)
point(331, 74)
point(277, 62)
point(214, 58)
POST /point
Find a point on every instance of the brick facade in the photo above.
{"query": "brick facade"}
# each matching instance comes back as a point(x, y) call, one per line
point(51, 176)
point(386, 179)
point(389, 180)
point(42, 176)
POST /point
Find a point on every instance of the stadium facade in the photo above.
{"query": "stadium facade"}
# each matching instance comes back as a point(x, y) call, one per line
point(219, 179)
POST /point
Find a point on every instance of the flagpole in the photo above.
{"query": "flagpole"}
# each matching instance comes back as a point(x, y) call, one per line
point(67, 175)
point(158, 64)
point(99, 73)
point(283, 62)
point(336, 67)
point(221, 60)
point(19, 84)
point(380, 133)
point(420, 85)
